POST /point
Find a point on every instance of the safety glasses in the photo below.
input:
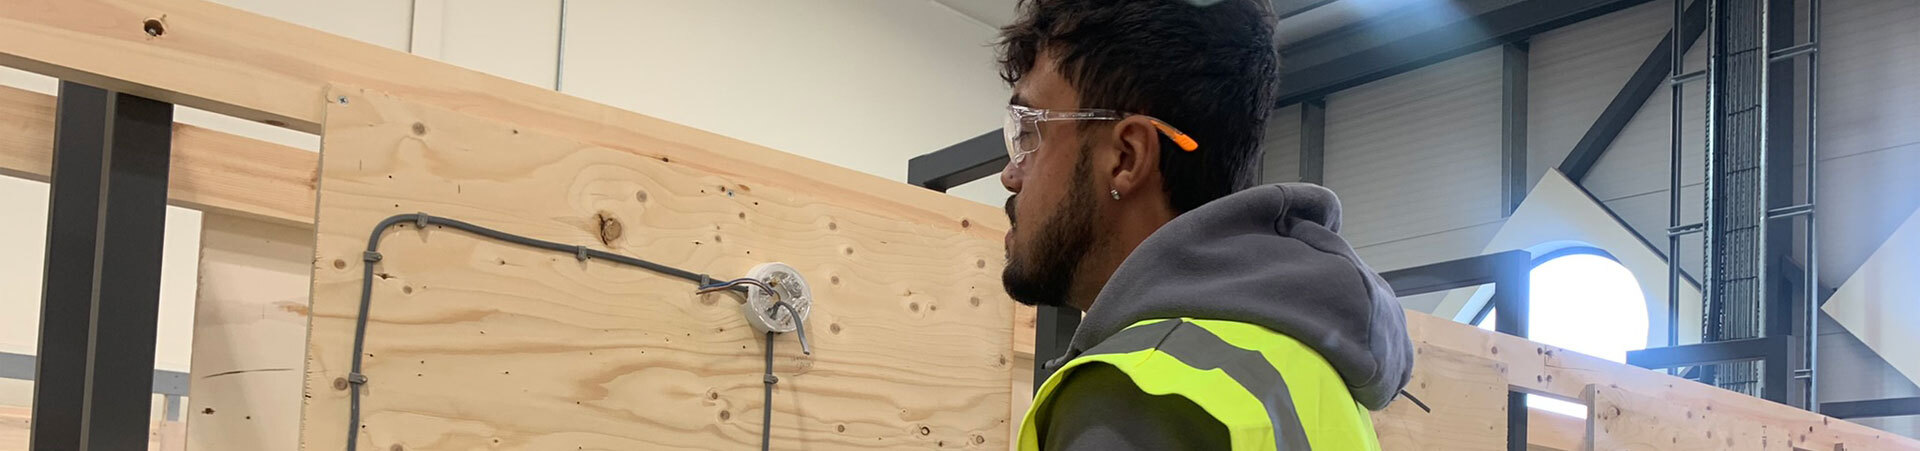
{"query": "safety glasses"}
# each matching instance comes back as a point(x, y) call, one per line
point(1022, 129)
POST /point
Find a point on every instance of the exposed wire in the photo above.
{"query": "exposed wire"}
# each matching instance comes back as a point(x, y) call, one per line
point(733, 284)
point(799, 327)
point(1416, 401)
point(582, 253)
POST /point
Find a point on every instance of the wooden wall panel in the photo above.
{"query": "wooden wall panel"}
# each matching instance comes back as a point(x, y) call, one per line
point(475, 343)
point(1469, 400)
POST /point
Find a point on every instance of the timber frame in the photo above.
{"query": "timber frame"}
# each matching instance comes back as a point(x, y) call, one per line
point(148, 53)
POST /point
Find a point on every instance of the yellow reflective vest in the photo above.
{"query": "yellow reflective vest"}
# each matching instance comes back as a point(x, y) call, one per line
point(1269, 390)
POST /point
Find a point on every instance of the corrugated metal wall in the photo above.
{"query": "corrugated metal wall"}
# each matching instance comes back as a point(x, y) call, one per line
point(1282, 162)
point(1869, 155)
point(1416, 161)
point(1416, 157)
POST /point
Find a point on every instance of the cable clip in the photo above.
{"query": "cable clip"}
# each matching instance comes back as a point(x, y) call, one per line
point(356, 378)
point(772, 379)
point(370, 256)
point(420, 219)
point(580, 253)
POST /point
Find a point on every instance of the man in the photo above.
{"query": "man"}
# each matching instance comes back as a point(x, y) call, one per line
point(1218, 316)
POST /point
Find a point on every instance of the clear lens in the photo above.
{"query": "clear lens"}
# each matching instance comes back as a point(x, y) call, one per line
point(1020, 130)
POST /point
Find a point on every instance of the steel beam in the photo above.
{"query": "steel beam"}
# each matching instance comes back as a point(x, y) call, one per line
point(1313, 141)
point(1288, 8)
point(1648, 79)
point(1462, 273)
point(1360, 60)
point(1872, 408)
point(973, 159)
point(101, 297)
point(1513, 127)
point(1715, 352)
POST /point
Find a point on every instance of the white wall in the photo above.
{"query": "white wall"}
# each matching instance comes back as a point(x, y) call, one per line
point(865, 85)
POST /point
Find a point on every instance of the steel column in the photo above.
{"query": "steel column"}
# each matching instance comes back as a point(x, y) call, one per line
point(1653, 73)
point(1313, 141)
point(105, 222)
point(1513, 126)
point(1052, 333)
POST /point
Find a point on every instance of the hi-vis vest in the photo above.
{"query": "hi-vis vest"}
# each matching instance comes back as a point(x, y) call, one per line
point(1232, 370)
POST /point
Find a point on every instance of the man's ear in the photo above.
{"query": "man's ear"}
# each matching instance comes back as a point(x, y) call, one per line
point(1137, 152)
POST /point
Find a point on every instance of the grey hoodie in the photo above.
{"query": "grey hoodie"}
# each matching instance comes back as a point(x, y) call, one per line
point(1268, 255)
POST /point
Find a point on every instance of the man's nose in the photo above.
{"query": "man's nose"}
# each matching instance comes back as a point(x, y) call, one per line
point(1010, 177)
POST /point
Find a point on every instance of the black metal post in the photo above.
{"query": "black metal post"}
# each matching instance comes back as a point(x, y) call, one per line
point(1511, 287)
point(1513, 126)
point(1052, 333)
point(105, 222)
point(1872, 408)
point(1313, 141)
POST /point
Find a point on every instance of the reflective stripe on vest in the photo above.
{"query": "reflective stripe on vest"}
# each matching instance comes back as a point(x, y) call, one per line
point(1229, 370)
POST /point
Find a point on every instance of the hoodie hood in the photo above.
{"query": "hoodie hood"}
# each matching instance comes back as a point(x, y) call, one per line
point(1271, 256)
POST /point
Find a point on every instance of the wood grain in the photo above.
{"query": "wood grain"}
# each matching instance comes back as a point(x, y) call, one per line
point(250, 335)
point(1547, 370)
point(1469, 400)
point(1631, 421)
point(232, 62)
point(211, 171)
point(474, 343)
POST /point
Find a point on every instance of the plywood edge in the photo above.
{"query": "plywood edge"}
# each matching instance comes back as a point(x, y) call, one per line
point(211, 171)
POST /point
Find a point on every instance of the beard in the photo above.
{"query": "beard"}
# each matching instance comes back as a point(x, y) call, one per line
point(1052, 260)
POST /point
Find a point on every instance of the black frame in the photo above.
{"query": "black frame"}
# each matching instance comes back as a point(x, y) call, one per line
point(1510, 273)
point(1543, 258)
point(1872, 408)
point(105, 223)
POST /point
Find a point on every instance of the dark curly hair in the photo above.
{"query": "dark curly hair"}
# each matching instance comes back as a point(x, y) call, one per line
point(1210, 70)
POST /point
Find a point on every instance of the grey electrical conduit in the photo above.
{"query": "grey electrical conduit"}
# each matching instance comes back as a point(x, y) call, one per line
point(422, 220)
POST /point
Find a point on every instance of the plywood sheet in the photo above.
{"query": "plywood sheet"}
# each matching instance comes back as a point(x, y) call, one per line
point(1468, 396)
point(475, 343)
